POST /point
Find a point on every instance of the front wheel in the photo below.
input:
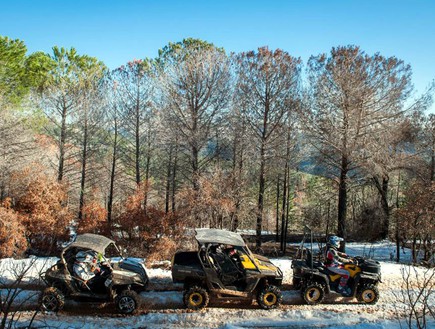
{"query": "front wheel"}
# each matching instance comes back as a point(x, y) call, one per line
point(269, 297)
point(52, 300)
point(368, 294)
point(196, 298)
point(127, 302)
point(313, 293)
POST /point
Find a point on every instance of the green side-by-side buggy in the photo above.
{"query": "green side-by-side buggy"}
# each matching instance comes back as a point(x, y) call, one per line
point(222, 267)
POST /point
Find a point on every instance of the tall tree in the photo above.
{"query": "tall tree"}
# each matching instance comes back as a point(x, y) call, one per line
point(61, 98)
point(353, 97)
point(195, 86)
point(19, 74)
point(135, 90)
point(267, 82)
point(90, 116)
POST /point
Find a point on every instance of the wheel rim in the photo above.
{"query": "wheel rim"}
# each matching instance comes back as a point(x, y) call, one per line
point(368, 295)
point(313, 294)
point(269, 299)
point(50, 302)
point(126, 304)
point(195, 299)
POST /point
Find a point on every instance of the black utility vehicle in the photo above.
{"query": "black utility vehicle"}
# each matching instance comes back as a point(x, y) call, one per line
point(224, 267)
point(122, 280)
point(314, 279)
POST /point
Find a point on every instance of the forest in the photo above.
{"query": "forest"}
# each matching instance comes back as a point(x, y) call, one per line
point(198, 137)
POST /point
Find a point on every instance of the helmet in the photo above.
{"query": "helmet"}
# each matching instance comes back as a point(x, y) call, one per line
point(334, 241)
point(84, 256)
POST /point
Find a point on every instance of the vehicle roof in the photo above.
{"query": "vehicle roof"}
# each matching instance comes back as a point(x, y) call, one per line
point(91, 241)
point(211, 235)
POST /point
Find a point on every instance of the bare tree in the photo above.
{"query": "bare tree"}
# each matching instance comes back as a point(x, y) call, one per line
point(60, 98)
point(90, 115)
point(134, 92)
point(352, 97)
point(267, 82)
point(195, 87)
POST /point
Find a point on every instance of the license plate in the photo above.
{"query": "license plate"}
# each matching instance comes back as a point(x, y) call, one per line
point(107, 282)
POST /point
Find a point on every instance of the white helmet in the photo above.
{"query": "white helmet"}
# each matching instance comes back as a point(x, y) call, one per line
point(84, 256)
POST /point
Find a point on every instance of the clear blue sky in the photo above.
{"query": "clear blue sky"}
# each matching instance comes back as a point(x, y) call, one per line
point(118, 31)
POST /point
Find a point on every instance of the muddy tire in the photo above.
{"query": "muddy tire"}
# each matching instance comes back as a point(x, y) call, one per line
point(313, 293)
point(368, 294)
point(269, 297)
point(196, 298)
point(51, 300)
point(127, 302)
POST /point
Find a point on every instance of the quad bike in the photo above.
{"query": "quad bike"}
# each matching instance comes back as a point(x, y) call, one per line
point(236, 275)
point(121, 281)
point(315, 280)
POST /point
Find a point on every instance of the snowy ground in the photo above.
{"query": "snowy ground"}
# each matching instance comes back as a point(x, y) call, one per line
point(164, 309)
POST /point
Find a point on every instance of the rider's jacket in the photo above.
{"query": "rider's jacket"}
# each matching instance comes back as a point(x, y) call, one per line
point(334, 257)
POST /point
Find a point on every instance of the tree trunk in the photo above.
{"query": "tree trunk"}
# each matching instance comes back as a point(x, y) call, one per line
point(287, 214)
point(195, 168)
point(62, 143)
point(112, 174)
point(147, 171)
point(283, 209)
point(383, 191)
point(174, 178)
point(397, 222)
point(260, 204)
point(137, 144)
point(277, 211)
point(342, 200)
point(84, 161)
point(168, 180)
point(262, 180)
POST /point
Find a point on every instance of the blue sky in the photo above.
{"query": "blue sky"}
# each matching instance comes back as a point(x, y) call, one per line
point(118, 31)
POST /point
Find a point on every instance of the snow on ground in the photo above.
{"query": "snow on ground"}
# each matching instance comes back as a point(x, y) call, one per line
point(164, 309)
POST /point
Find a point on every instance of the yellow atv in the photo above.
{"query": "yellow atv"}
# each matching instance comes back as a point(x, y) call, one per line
point(223, 267)
point(314, 279)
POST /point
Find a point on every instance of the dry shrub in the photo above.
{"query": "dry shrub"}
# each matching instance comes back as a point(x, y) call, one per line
point(94, 219)
point(140, 231)
point(43, 203)
point(163, 249)
point(213, 204)
point(15, 244)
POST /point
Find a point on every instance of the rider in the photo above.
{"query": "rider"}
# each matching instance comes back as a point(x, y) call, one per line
point(86, 268)
point(335, 261)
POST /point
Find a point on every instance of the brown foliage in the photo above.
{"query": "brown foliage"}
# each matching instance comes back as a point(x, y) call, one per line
point(141, 232)
point(94, 219)
point(11, 222)
point(163, 249)
point(213, 204)
point(43, 203)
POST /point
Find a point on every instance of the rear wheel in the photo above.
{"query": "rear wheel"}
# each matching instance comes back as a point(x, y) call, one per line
point(196, 298)
point(313, 293)
point(52, 300)
point(127, 302)
point(368, 294)
point(269, 297)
